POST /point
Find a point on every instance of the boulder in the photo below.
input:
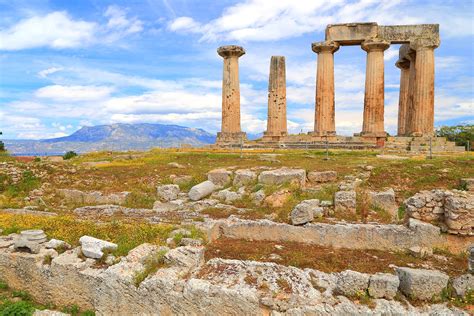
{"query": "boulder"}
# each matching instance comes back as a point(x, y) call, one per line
point(258, 197)
point(383, 285)
point(167, 192)
point(244, 177)
point(228, 196)
point(345, 201)
point(94, 248)
point(57, 244)
point(462, 284)
point(305, 212)
point(352, 283)
point(422, 284)
point(322, 176)
point(220, 177)
point(282, 176)
point(384, 199)
point(201, 190)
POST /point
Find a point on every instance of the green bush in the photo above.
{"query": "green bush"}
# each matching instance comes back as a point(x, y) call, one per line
point(20, 308)
point(70, 154)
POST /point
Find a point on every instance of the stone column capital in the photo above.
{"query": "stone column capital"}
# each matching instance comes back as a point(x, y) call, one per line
point(231, 51)
point(326, 46)
point(424, 43)
point(374, 45)
point(403, 63)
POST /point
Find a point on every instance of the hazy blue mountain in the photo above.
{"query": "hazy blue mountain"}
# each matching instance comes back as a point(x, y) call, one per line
point(141, 136)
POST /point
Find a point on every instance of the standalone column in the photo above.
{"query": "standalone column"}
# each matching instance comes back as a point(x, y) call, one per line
point(230, 129)
point(276, 121)
point(404, 66)
point(423, 94)
point(325, 122)
point(373, 125)
point(411, 56)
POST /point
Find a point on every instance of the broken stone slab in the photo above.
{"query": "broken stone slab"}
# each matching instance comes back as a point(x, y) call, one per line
point(220, 177)
point(94, 248)
point(159, 206)
point(421, 284)
point(25, 211)
point(283, 176)
point(384, 199)
point(93, 197)
point(190, 242)
point(201, 190)
point(322, 176)
point(99, 210)
point(305, 212)
point(383, 285)
point(187, 256)
point(278, 198)
point(57, 244)
point(463, 284)
point(345, 201)
point(228, 196)
point(23, 244)
point(352, 283)
point(420, 252)
point(244, 177)
point(167, 192)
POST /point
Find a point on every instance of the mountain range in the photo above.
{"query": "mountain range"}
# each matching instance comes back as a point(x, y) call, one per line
point(117, 137)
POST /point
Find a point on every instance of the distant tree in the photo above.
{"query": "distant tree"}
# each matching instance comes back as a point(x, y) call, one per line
point(461, 134)
point(70, 154)
point(2, 145)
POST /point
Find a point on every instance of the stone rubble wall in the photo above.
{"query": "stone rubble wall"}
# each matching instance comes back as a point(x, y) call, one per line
point(189, 286)
point(343, 235)
point(452, 210)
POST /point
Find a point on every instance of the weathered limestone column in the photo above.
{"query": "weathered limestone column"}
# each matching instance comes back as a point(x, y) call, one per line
point(325, 119)
point(276, 120)
point(230, 129)
point(404, 65)
point(423, 89)
point(411, 56)
point(373, 125)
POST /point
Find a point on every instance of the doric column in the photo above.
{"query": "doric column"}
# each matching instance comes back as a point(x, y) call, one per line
point(276, 121)
point(410, 56)
point(423, 90)
point(373, 125)
point(325, 122)
point(230, 129)
point(404, 65)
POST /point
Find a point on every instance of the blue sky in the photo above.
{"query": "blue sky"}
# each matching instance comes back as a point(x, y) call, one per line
point(66, 64)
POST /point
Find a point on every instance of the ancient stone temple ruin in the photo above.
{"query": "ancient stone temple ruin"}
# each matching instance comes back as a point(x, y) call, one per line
point(416, 101)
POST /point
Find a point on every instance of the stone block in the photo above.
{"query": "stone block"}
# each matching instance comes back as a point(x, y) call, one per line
point(56, 244)
point(94, 248)
point(305, 212)
point(282, 176)
point(459, 212)
point(244, 177)
point(351, 33)
point(228, 196)
point(352, 283)
point(201, 190)
point(220, 177)
point(345, 201)
point(462, 284)
point(322, 176)
point(384, 199)
point(422, 284)
point(383, 285)
point(167, 192)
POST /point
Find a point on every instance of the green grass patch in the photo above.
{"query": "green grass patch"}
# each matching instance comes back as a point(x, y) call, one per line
point(151, 265)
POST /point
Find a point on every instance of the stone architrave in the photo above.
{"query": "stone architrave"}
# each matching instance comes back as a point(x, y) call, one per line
point(404, 65)
point(276, 121)
point(373, 124)
point(325, 122)
point(230, 129)
point(423, 87)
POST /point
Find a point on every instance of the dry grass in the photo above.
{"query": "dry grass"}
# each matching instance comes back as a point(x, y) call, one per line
point(329, 259)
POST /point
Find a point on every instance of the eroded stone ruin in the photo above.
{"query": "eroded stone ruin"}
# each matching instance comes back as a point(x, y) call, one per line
point(416, 101)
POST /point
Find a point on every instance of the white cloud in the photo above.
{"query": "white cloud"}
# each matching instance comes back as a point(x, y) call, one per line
point(58, 30)
point(73, 93)
point(184, 24)
point(55, 30)
point(46, 72)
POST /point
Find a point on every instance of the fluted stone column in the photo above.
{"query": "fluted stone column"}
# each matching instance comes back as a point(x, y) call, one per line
point(373, 125)
point(423, 89)
point(325, 122)
point(230, 129)
point(276, 120)
point(410, 56)
point(404, 65)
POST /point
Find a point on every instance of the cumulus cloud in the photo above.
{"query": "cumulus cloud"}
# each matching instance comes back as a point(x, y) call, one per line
point(46, 72)
point(58, 30)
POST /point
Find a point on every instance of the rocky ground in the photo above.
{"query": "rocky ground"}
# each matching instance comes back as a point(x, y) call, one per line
point(190, 232)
